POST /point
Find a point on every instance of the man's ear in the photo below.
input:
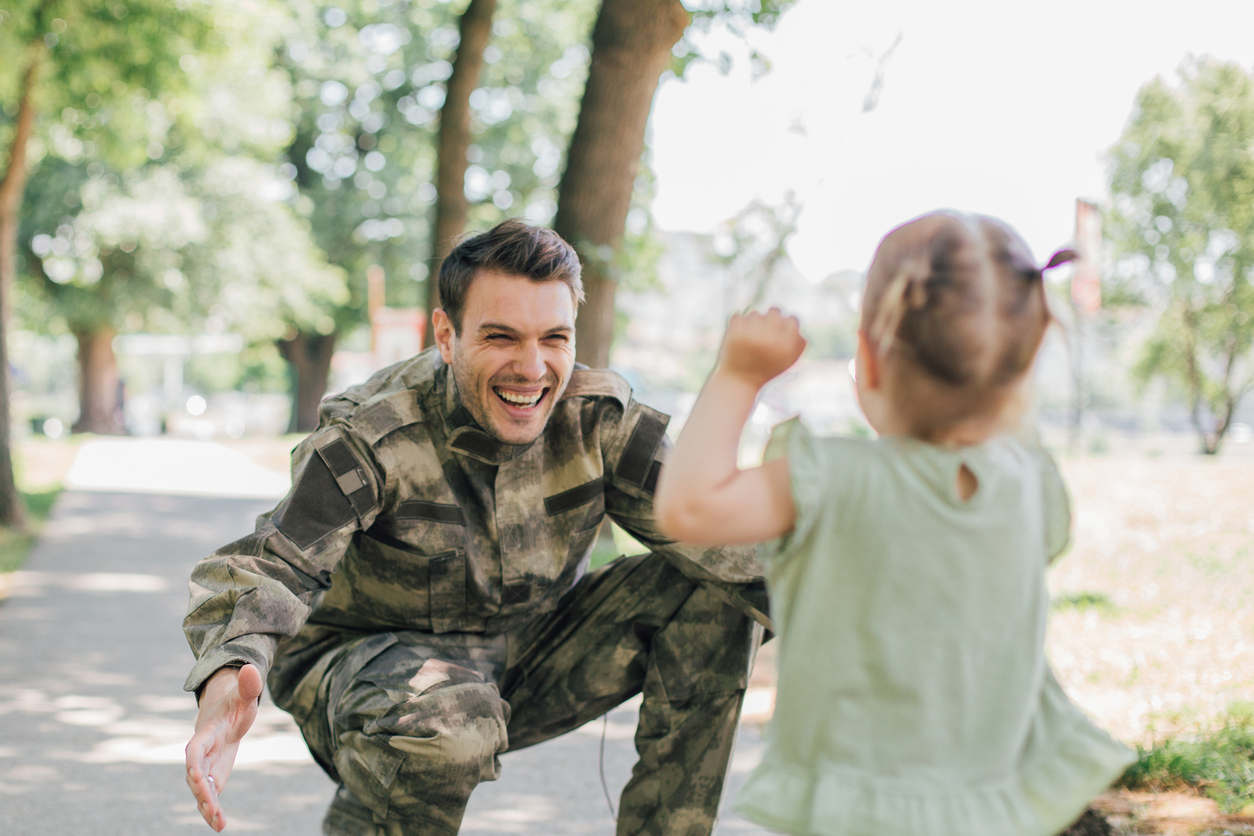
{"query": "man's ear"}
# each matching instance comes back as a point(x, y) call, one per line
point(444, 334)
point(868, 363)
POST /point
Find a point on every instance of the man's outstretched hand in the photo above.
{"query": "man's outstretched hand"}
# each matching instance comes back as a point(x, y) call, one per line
point(228, 707)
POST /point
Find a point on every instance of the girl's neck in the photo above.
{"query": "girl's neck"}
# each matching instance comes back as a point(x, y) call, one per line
point(897, 413)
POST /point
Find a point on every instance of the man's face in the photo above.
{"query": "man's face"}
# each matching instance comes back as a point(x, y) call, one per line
point(515, 353)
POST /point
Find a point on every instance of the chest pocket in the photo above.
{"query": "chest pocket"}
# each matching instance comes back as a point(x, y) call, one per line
point(583, 508)
point(440, 528)
point(407, 588)
point(412, 574)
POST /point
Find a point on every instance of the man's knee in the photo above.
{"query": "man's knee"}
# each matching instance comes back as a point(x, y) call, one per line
point(420, 757)
point(459, 729)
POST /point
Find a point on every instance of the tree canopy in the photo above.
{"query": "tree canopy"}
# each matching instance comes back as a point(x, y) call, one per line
point(1182, 182)
point(189, 224)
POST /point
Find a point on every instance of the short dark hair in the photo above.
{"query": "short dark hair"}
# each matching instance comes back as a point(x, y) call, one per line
point(513, 247)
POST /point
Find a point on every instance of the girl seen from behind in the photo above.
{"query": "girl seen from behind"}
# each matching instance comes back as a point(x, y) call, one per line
point(907, 573)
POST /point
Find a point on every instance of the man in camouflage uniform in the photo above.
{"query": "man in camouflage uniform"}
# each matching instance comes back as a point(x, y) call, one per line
point(419, 599)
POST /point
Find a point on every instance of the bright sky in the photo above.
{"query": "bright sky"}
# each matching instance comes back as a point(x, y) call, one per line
point(999, 107)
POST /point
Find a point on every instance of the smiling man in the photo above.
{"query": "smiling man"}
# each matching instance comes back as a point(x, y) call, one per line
point(420, 602)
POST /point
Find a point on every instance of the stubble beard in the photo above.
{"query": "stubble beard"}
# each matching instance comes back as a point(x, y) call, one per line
point(473, 398)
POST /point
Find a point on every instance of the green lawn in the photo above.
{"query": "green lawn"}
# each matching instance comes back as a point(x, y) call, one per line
point(14, 545)
point(1215, 761)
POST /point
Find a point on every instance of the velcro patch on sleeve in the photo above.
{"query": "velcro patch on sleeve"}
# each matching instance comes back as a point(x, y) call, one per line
point(315, 507)
point(650, 481)
point(637, 458)
point(349, 477)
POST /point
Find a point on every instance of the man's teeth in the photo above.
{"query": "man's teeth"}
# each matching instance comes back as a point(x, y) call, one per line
point(520, 400)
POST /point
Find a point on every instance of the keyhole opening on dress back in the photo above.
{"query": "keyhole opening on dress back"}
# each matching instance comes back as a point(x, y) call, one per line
point(967, 483)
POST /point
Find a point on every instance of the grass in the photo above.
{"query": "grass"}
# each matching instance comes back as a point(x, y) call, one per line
point(612, 544)
point(1083, 602)
point(14, 545)
point(1218, 762)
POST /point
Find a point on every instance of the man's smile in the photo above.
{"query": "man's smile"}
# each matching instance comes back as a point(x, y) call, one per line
point(520, 400)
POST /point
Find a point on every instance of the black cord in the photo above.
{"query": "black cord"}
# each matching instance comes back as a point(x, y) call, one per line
point(605, 724)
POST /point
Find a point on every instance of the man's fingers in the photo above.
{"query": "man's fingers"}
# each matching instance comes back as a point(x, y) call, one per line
point(206, 797)
point(205, 788)
point(207, 803)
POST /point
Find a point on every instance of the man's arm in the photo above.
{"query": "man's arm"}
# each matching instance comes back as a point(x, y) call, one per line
point(248, 595)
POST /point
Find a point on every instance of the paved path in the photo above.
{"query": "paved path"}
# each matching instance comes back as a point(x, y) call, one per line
point(93, 718)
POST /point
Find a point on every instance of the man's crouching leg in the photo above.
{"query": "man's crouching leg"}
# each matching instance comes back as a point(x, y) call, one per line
point(693, 690)
point(409, 738)
point(636, 625)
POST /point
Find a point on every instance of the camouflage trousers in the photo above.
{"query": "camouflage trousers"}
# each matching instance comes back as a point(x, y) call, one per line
point(409, 723)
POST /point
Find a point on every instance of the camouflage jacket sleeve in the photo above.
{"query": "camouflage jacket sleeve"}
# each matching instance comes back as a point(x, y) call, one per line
point(635, 451)
point(251, 593)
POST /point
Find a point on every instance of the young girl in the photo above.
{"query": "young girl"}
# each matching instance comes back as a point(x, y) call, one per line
point(908, 574)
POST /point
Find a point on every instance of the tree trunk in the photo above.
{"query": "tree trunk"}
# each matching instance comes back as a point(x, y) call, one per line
point(11, 188)
point(454, 139)
point(1197, 396)
point(631, 46)
point(98, 381)
point(309, 358)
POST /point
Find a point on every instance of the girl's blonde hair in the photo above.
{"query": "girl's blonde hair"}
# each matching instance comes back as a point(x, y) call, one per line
point(956, 305)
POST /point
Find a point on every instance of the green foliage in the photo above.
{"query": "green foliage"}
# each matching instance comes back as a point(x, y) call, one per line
point(736, 16)
point(15, 545)
point(109, 73)
point(258, 368)
point(369, 79)
point(1218, 761)
point(196, 230)
point(1084, 601)
point(1183, 225)
point(171, 251)
point(612, 543)
point(835, 341)
point(603, 551)
point(196, 164)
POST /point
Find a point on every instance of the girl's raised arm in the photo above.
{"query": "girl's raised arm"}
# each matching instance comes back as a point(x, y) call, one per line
point(702, 496)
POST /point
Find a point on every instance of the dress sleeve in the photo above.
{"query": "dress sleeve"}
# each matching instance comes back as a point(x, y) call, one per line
point(793, 439)
point(1057, 507)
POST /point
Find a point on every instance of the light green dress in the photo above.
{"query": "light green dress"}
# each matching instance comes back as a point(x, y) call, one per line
point(914, 695)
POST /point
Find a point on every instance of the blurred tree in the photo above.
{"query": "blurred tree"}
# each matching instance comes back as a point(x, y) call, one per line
point(752, 245)
point(370, 80)
point(163, 233)
point(451, 207)
point(633, 43)
point(73, 54)
point(168, 250)
point(631, 46)
point(1183, 224)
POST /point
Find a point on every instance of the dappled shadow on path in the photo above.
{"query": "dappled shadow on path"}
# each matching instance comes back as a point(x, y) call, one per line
point(93, 719)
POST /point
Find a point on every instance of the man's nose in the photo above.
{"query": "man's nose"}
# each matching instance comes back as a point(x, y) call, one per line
point(530, 362)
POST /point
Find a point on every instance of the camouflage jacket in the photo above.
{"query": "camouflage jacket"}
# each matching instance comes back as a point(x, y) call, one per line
point(405, 515)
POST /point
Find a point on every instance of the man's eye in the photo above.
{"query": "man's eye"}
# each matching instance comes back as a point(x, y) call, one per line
point(557, 338)
point(498, 338)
